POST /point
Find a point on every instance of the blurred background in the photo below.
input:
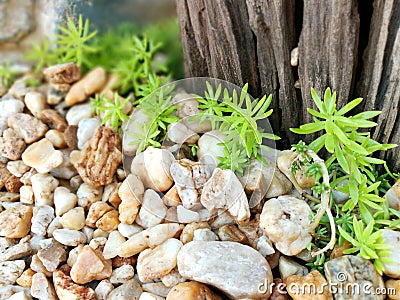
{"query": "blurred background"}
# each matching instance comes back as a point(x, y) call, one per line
point(26, 22)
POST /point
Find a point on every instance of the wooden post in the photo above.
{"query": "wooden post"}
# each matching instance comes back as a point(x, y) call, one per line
point(250, 41)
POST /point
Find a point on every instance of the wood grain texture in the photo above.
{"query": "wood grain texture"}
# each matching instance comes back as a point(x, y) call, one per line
point(379, 84)
point(328, 50)
point(250, 41)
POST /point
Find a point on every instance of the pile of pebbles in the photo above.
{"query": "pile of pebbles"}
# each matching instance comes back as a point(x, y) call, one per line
point(74, 225)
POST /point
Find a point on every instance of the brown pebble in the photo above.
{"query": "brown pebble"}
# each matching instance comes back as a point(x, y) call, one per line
point(70, 137)
point(63, 73)
point(276, 289)
point(119, 261)
point(53, 119)
point(12, 147)
point(13, 184)
point(67, 289)
point(27, 127)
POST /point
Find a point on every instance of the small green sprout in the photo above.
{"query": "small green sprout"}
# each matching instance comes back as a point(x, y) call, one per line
point(7, 75)
point(111, 110)
point(73, 42)
point(368, 244)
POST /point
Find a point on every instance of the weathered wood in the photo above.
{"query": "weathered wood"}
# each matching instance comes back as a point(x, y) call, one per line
point(328, 50)
point(250, 41)
point(380, 79)
point(273, 25)
point(221, 43)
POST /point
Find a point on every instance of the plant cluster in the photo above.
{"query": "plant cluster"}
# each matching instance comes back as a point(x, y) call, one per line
point(236, 115)
point(352, 171)
point(111, 110)
point(7, 75)
point(124, 51)
point(159, 111)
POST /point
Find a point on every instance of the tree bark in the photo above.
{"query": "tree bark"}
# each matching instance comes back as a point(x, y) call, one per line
point(250, 41)
point(380, 79)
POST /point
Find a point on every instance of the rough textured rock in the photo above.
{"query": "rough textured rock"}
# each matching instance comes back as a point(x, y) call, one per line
point(122, 274)
point(224, 191)
point(52, 256)
point(66, 289)
point(90, 265)
point(27, 127)
point(12, 147)
point(11, 270)
point(153, 168)
point(63, 73)
point(11, 250)
point(286, 222)
point(235, 269)
point(350, 269)
point(189, 178)
point(43, 186)
point(314, 279)
point(192, 290)
point(103, 289)
point(42, 288)
point(392, 238)
point(42, 217)
point(100, 157)
point(16, 222)
point(157, 262)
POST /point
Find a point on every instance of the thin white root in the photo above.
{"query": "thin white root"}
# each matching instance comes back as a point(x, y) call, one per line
point(331, 243)
point(324, 208)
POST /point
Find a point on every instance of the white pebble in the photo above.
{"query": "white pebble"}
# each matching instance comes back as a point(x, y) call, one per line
point(86, 129)
point(64, 200)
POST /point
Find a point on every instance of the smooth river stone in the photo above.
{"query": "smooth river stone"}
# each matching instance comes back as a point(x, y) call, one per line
point(236, 269)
